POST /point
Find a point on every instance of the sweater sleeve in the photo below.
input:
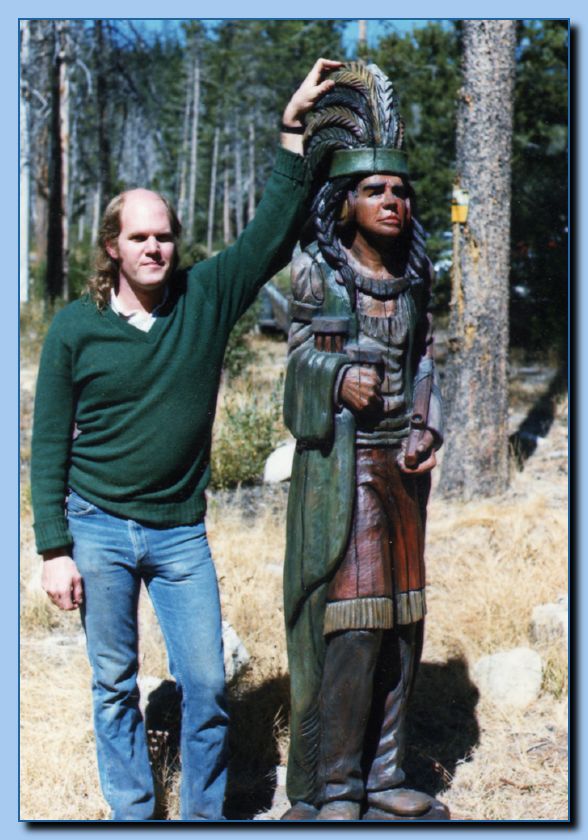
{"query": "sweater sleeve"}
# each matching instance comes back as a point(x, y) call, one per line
point(52, 435)
point(266, 244)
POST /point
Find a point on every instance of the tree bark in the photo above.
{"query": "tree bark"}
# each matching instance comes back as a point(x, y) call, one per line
point(96, 205)
point(238, 185)
point(194, 150)
point(475, 461)
point(183, 156)
point(25, 164)
point(251, 196)
point(362, 35)
point(64, 148)
point(226, 198)
point(212, 195)
point(54, 280)
point(104, 176)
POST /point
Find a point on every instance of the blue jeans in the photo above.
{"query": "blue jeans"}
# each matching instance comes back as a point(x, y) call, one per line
point(113, 556)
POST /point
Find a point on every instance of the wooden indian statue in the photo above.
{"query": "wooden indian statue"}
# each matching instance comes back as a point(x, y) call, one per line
point(363, 403)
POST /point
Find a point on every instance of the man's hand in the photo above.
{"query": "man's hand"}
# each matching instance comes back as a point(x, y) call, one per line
point(426, 453)
point(309, 92)
point(61, 580)
point(360, 390)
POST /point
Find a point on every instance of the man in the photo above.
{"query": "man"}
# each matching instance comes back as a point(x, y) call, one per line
point(125, 402)
point(360, 366)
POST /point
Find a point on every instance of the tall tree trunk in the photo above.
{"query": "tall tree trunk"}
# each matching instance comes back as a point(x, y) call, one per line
point(25, 163)
point(96, 214)
point(212, 196)
point(183, 157)
point(194, 150)
point(362, 35)
point(55, 246)
point(251, 196)
point(104, 176)
point(475, 462)
point(226, 197)
point(64, 148)
point(41, 221)
point(238, 185)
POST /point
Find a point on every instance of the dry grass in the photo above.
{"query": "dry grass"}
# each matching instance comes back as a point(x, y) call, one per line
point(489, 564)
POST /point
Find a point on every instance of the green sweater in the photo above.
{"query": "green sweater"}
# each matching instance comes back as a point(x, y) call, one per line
point(143, 404)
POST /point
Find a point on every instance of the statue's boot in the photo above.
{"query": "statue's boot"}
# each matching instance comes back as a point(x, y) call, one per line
point(345, 704)
point(300, 811)
point(404, 804)
point(386, 731)
point(340, 809)
point(387, 799)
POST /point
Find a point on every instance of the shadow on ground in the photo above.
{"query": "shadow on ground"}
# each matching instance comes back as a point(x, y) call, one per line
point(538, 421)
point(258, 716)
point(442, 729)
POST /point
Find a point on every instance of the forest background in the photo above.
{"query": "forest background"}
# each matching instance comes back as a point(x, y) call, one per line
point(192, 109)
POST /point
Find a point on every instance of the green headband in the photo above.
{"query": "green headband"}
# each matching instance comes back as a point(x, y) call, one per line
point(371, 160)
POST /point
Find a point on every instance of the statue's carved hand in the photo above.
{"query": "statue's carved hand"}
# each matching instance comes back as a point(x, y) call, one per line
point(360, 390)
point(427, 457)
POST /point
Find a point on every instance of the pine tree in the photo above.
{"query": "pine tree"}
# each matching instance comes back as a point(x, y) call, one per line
point(475, 461)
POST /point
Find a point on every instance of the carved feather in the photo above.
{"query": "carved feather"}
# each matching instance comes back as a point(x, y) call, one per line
point(387, 106)
point(337, 116)
point(360, 111)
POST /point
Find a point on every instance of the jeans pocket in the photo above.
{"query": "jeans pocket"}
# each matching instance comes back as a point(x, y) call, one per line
point(77, 506)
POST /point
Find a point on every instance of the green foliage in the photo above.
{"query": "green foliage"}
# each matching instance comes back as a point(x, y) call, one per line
point(239, 353)
point(191, 253)
point(35, 317)
point(249, 69)
point(540, 188)
point(424, 66)
point(80, 268)
point(247, 429)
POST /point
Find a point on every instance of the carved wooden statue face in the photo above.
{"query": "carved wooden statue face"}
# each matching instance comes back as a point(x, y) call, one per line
point(382, 206)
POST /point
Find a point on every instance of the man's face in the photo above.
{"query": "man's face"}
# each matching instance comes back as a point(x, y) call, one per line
point(382, 207)
point(145, 246)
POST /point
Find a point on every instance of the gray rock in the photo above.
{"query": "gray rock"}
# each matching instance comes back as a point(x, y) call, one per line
point(153, 689)
point(278, 466)
point(510, 678)
point(236, 654)
point(550, 622)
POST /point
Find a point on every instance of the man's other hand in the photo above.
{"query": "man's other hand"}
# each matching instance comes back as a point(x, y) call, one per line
point(309, 92)
point(61, 580)
point(360, 390)
point(426, 453)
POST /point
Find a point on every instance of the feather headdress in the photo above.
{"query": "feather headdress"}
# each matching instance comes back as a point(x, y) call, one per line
point(357, 123)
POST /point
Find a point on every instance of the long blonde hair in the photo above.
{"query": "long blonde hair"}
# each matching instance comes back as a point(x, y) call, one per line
point(106, 268)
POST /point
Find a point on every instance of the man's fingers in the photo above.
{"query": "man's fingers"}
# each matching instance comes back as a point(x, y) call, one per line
point(78, 591)
point(319, 68)
point(325, 86)
point(62, 582)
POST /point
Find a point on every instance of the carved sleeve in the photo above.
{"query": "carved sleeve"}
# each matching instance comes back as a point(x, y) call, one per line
point(426, 365)
point(311, 374)
point(307, 297)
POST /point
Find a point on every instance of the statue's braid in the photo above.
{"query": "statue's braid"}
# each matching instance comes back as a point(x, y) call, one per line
point(325, 209)
point(417, 256)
